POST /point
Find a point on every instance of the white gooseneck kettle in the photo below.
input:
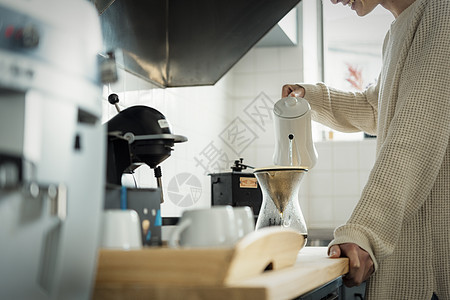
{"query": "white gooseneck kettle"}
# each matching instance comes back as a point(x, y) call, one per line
point(293, 140)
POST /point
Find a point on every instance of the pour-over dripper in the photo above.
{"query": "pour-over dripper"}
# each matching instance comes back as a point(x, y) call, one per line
point(280, 207)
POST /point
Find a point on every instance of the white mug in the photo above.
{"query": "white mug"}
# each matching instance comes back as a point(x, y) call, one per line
point(121, 229)
point(245, 222)
point(208, 227)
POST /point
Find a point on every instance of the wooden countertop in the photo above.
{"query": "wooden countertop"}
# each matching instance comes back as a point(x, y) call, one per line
point(312, 269)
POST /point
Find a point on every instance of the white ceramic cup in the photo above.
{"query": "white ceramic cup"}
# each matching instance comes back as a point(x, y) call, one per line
point(121, 229)
point(245, 222)
point(209, 227)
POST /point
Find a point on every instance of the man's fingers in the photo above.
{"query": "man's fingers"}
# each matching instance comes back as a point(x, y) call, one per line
point(370, 268)
point(293, 90)
point(354, 272)
point(334, 252)
point(360, 264)
point(287, 89)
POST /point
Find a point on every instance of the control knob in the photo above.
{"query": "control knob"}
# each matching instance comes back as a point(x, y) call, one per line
point(29, 36)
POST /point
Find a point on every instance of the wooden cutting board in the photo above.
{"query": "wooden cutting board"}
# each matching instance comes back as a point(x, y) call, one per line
point(312, 269)
point(272, 247)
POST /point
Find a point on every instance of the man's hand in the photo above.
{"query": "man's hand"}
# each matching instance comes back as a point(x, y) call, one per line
point(360, 264)
point(292, 90)
point(344, 2)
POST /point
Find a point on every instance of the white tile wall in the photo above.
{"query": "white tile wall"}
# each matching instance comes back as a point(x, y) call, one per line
point(336, 182)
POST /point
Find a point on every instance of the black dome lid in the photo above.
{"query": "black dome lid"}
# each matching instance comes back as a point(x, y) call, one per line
point(139, 120)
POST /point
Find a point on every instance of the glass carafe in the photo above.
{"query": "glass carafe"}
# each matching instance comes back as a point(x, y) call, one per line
point(280, 207)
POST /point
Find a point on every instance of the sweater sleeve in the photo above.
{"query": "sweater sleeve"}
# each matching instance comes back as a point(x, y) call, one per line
point(343, 111)
point(414, 142)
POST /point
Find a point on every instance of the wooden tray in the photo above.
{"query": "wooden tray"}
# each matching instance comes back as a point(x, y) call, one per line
point(271, 247)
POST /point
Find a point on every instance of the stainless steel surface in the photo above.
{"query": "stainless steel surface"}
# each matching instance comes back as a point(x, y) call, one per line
point(159, 184)
point(187, 43)
point(320, 236)
point(280, 207)
point(101, 5)
point(174, 137)
point(51, 148)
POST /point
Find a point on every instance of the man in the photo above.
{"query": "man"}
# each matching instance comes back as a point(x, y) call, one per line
point(398, 236)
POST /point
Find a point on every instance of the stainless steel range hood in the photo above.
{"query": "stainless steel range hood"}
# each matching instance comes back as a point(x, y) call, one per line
point(186, 42)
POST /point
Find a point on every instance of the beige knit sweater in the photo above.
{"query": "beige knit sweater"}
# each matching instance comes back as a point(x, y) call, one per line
point(403, 216)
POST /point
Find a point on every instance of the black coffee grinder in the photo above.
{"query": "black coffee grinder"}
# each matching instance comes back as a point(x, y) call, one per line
point(138, 135)
point(236, 188)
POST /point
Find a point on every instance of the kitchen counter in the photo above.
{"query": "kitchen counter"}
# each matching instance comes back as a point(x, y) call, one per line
point(312, 269)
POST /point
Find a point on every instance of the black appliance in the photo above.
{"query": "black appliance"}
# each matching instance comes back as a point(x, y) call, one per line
point(148, 136)
point(138, 135)
point(236, 188)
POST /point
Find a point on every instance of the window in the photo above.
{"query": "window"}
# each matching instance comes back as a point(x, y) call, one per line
point(352, 52)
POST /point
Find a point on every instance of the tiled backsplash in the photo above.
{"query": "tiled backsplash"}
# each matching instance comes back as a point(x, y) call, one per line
point(334, 185)
point(232, 119)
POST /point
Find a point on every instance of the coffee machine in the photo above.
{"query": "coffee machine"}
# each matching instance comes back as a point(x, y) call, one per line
point(138, 135)
point(51, 148)
point(294, 155)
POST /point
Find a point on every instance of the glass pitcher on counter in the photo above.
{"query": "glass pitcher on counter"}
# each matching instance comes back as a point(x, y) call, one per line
point(280, 206)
